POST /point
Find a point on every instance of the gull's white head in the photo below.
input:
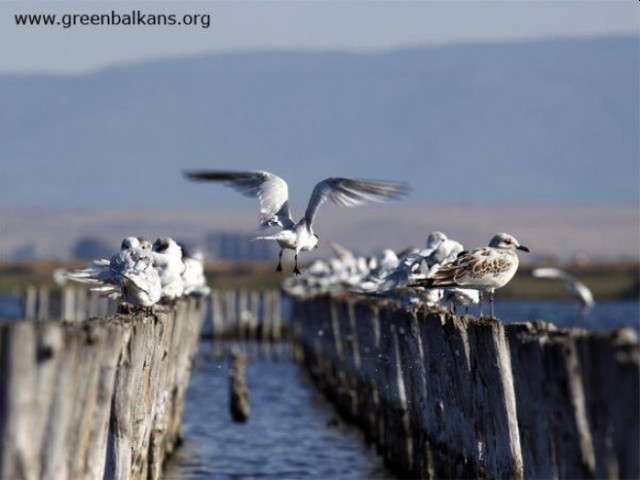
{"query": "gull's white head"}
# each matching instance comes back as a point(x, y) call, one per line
point(507, 242)
point(144, 243)
point(388, 259)
point(129, 243)
point(167, 246)
point(435, 238)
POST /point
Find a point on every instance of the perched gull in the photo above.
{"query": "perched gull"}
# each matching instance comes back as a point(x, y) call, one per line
point(273, 194)
point(168, 262)
point(130, 274)
point(140, 283)
point(461, 297)
point(107, 271)
point(576, 288)
point(485, 269)
point(195, 283)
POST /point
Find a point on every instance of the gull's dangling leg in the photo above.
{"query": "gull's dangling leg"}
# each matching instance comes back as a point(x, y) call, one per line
point(296, 270)
point(491, 302)
point(279, 267)
point(466, 310)
point(481, 302)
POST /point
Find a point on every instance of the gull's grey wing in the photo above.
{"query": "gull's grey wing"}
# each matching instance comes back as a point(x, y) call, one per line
point(572, 284)
point(271, 190)
point(342, 253)
point(348, 192)
point(554, 274)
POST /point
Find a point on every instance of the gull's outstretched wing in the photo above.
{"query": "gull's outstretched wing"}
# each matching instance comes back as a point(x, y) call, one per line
point(573, 285)
point(554, 274)
point(271, 190)
point(342, 253)
point(348, 192)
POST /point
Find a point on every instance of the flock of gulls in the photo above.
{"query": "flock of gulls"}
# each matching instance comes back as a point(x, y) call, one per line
point(443, 271)
point(145, 274)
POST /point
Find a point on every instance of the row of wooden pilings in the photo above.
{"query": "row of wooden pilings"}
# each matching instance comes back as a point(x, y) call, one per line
point(101, 398)
point(444, 396)
point(251, 316)
point(72, 304)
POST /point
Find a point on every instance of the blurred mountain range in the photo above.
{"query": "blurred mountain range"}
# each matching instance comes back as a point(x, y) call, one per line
point(539, 122)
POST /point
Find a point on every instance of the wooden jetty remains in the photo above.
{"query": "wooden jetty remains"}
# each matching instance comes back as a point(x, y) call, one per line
point(100, 398)
point(252, 317)
point(444, 396)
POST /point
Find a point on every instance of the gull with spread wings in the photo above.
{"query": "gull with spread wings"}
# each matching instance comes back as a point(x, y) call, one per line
point(273, 194)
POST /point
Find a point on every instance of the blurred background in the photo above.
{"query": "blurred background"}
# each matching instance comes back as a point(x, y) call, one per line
point(518, 117)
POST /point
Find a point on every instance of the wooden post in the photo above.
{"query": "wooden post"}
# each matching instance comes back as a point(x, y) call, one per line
point(239, 402)
point(276, 324)
point(98, 400)
point(82, 305)
point(456, 397)
point(217, 325)
point(43, 304)
point(29, 302)
point(253, 321)
point(266, 323)
point(68, 304)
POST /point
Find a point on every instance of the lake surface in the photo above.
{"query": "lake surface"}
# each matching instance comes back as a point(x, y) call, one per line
point(287, 435)
point(604, 315)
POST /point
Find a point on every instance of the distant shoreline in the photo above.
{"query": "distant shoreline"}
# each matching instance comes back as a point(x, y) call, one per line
point(607, 280)
point(597, 232)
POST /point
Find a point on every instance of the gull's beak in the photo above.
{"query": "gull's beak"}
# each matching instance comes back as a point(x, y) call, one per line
point(523, 248)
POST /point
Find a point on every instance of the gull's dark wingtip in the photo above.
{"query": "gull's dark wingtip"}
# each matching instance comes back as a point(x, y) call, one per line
point(405, 189)
point(192, 174)
point(207, 175)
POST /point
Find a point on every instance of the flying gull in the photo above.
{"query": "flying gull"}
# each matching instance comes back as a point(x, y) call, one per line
point(273, 194)
point(576, 288)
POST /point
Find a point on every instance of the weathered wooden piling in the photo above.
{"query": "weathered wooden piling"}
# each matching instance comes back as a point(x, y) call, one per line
point(459, 397)
point(98, 399)
point(239, 393)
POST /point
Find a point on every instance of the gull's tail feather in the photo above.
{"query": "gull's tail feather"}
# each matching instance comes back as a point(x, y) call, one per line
point(268, 237)
point(104, 289)
point(432, 283)
point(81, 277)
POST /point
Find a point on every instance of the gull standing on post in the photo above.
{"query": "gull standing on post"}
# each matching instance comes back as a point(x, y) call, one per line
point(273, 193)
point(129, 274)
point(167, 260)
point(485, 269)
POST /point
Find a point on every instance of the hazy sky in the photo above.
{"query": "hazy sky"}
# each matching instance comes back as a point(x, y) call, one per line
point(266, 25)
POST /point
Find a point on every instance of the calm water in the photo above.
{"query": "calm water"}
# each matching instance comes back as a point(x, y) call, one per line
point(603, 316)
point(286, 437)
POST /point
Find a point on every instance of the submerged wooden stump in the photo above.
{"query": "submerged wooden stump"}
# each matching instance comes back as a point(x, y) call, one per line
point(444, 396)
point(99, 399)
point(239, 392)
